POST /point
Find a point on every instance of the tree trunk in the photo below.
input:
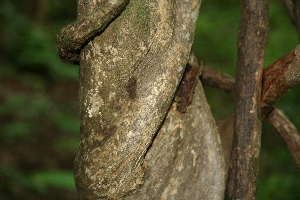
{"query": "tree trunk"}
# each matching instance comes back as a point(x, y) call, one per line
point(133, 142)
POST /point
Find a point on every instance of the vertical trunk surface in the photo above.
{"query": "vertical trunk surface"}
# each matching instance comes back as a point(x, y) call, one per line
point(246, 144)
point(132, 145)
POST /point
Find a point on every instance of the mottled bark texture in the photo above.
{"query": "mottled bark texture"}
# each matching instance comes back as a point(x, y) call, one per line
point(132, 145)
point(93, 18)
point(252, 40)
point(279, 78)
point(185, 160)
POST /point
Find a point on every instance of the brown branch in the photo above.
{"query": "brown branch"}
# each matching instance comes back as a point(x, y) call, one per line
point(243, 170)
point(279, 78)
point(287, 131)
point(214, 78)
point(186, 88)
point(218, 79)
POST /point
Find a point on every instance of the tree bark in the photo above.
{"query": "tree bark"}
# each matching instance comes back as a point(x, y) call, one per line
point(138, 141)
point(185, 160)
point(252, 41)
point(132, 144)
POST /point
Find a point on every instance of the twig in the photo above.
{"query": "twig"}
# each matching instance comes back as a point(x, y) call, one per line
point(278, 78)
point(214, 78)
point(287, 131)
point(218, 79)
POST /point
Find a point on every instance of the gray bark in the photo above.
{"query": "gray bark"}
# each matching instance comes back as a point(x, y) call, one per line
point(134, 145)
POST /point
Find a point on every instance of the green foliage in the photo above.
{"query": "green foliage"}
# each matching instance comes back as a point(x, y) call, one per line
point(279, 176)
point(22, 184)
point(39, 122)
point(216, 34)
point(30, 46)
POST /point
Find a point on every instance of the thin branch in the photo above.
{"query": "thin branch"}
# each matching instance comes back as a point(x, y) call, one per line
point(287, 131)
point(214, 78)
point(243, 170)
point(276, 117)
point(278, 78)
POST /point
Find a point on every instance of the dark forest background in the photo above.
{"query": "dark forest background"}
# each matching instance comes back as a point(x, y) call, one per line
point(39, 117)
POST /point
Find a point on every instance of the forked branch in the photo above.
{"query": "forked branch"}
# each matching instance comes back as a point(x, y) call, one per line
point(276, 82)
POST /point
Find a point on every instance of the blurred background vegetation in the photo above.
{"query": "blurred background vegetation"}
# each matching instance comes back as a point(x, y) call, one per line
point(39, 96)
